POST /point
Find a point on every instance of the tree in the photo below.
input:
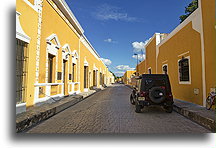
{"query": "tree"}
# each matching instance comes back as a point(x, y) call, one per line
point(189, 10)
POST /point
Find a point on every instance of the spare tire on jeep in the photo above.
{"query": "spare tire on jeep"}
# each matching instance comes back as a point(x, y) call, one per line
point(157, 94)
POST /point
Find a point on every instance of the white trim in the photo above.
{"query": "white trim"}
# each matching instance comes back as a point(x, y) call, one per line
point(86, 89)
point(164, 61)
point(20, 108)
point(189, 63)
point(51, 37)
point(203, 57)
point(75, 54)
point(31, 5)
point(95, 68)
point(66, 52)
point(184, 54)
point(73, 83)
point(150, 40)
point(88, 45)
point(21, 104)
point(86, 62)
point(20, 34)
point(47, 84)
point(40, 100)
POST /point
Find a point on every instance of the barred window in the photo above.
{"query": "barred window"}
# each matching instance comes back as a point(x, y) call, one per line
point(50, 68)
point(21, 70)
point(165, 69)
point(150, 71)
point(184, 74)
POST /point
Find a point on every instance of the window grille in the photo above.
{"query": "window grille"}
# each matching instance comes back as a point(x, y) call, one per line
point(21, 70)
point(184, 70)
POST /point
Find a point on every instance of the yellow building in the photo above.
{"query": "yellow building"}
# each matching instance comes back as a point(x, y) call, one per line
point(60, 59)
point(140, 68)
point(127, 77)
point(187, 55)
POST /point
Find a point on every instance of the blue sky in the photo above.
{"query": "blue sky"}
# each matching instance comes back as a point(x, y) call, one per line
point(118, 28)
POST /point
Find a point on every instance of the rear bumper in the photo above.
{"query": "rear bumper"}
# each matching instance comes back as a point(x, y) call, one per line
point(164, 103)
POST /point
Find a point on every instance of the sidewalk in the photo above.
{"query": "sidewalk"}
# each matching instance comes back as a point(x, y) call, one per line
point(37, 114)
point(196, 113)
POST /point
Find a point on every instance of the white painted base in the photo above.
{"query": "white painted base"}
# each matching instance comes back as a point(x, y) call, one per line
point(86, 89)
point(20, 108)
point(41, 100)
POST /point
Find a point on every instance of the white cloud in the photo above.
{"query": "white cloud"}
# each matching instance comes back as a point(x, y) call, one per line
point(141, 57)
point(139, 46)
point(119, 73)
point(109, 40)
point(108, 12)
point(124, 68)
point(106, 61)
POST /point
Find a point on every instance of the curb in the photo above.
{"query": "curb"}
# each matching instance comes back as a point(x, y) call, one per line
point(197, 118)
point(33, 117)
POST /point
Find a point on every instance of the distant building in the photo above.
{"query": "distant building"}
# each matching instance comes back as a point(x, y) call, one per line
point(127, 78)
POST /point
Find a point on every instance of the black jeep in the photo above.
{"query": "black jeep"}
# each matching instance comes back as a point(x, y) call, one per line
point(152, 89)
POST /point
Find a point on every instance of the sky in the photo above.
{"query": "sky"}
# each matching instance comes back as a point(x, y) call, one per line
point(118, 29)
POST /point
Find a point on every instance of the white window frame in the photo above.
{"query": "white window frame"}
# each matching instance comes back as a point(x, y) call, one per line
point(185, 82)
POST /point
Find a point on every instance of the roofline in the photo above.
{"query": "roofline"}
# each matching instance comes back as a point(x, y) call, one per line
point(180, 26)
point(63, 6)
point(151, 39)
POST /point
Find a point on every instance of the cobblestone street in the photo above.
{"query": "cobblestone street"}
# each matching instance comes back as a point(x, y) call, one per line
point(109, 111)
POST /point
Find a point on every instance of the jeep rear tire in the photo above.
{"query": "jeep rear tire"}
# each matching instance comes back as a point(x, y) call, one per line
point(157, 94)
point(138, 108)
point(168, 109)
point(132, 100)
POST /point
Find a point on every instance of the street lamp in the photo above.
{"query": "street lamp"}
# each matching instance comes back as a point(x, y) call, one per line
point(137, 62)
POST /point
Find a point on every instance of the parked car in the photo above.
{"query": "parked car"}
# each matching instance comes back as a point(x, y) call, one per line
point(152, 89)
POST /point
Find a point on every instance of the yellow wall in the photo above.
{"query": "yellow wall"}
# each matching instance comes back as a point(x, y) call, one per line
point(28, 21)
point(85, 54)
point(208, 15)
point(151, 56)
point(186, 40)
point(141, 68)
point(53, 23)
point(127, 77)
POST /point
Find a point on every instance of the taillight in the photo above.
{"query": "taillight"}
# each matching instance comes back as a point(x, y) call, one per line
point(143, 94)
point(163, 87)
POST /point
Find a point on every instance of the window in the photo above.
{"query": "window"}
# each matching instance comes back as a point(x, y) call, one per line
point(85, 76)
point(50, 68)
point(73, 72)
point(21, 67)
point(184, 74)
point(165, 69)
point(101, 79)
point(149, 70)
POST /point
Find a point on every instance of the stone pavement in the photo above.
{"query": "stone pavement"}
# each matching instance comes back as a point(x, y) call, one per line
point(110, 111)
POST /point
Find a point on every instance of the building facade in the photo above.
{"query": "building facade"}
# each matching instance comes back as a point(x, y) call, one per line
point(187, 55)
point(127, 77)
point(57, 59)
